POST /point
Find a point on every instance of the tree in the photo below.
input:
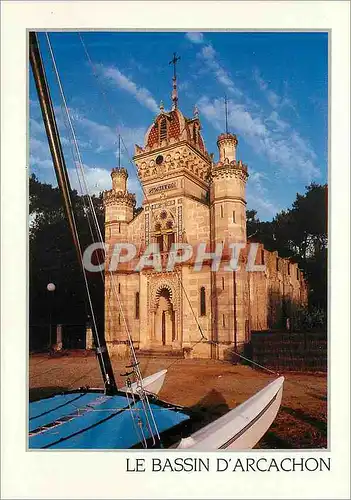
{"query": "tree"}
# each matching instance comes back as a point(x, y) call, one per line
point(300, 233)
point(53, 258)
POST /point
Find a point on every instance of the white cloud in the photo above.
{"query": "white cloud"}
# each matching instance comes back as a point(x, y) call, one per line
point(141, 94)
point(132, 136)
point(102, 136)
point(195, 36)
point(92, 136)
point(39, 153)
point(263, 205)
point(98, 179)
point(275, 100)
point(105, 138)
point(257, 179)
point(35, 161)
point(276, 121)
point(184, 85)
point(282, 145)
point(302, 145)
point(209, 55)
point(34, 103)
point(36, 127)
point(258, 194)
point(38, 147)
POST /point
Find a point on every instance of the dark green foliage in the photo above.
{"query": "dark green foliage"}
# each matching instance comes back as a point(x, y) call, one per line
point(53, 258)
point(310, 319)
point(300, 233)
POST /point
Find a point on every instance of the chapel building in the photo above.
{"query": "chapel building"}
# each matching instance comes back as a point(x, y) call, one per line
point(189, 198)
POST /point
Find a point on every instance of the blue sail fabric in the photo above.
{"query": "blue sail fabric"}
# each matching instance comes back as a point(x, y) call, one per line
point(56, 408)
point(94, 421)
point(46, 405)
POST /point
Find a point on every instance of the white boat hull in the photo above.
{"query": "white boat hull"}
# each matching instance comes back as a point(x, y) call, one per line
point(153, 383)
point(242, 427)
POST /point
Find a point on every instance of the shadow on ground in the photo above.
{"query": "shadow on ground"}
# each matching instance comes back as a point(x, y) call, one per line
point(305, 417)
point(303, 427)
point(271, 441)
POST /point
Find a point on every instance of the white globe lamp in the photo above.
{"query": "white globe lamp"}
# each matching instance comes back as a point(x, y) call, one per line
point(51, 287)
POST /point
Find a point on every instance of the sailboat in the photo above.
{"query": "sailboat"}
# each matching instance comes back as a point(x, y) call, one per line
point(131, 416)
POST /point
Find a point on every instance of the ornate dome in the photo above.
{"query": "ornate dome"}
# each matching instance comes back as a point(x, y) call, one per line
point(170, 128)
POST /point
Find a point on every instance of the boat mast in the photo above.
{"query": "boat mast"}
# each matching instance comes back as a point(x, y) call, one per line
point(64, 185)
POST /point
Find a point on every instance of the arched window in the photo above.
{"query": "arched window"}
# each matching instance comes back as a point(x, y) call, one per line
point(170, 235)
point(163, 129)
point(159, 241)
point(164, 234)
point(202, 301)
point(170, 240)
point(137, 305)
point(159, 236)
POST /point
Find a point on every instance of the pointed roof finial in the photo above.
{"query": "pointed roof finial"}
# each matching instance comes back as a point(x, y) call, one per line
point(226, 114)
point(174, 91)
point(162, 108)
point(196, 112)
point(119, 150)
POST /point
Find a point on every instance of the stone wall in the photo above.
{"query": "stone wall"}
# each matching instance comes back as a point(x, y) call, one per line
point(273, 293)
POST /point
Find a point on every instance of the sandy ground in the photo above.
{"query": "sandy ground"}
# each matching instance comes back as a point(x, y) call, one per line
point(211, 387)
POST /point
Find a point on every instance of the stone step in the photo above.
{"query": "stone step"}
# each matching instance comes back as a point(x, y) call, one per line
point(160, 353)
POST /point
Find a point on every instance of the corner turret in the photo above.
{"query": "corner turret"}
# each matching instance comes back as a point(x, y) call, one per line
point(227, 194)
point(227, 144)
point(119, 206)
point(119, 179)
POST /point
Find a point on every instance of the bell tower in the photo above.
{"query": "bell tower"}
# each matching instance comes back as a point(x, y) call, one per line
point(173, 161)
point(228, 197)
point(228, 225)
point(119, 206)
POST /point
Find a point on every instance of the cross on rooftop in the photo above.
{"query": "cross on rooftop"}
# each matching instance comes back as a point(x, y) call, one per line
point(174, 62)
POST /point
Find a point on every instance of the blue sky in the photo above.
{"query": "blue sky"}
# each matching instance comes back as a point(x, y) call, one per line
point(276, 85)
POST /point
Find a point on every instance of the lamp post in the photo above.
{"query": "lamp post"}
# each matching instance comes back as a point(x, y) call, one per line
point(50, 288)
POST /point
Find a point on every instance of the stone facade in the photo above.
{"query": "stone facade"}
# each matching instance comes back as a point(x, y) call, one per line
point(188, 198)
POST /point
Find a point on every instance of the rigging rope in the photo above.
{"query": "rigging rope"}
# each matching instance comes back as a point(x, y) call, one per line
point(76, 153)
point(86, 208)
point(140, 390)
point(73, 217)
